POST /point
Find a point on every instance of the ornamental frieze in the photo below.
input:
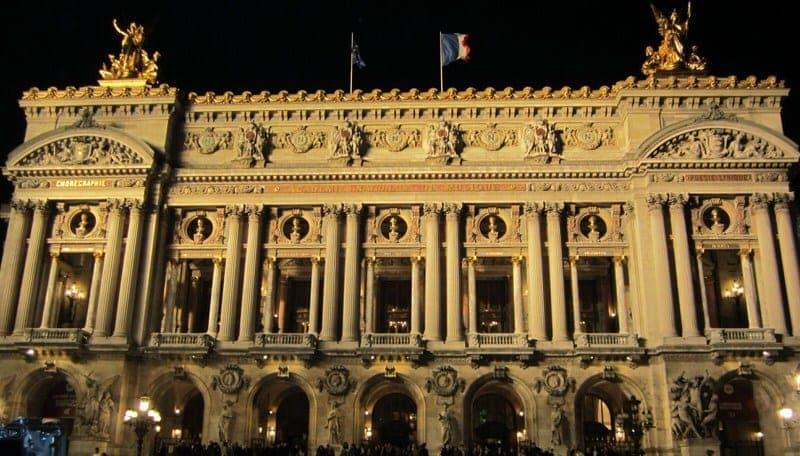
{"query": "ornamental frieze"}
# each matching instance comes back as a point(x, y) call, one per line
point(336, 382)
point(588, 186)
point(209, 141)
point(589, 136)
point(491, 137)
point(715, 144)
point(300, 140)
point(396, 138)
point(82, 150)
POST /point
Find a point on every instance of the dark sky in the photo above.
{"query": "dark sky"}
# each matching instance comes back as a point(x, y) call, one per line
point(292, 45)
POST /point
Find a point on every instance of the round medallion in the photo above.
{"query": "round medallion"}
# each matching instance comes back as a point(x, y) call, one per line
point(716, 219)
point(493, 227)
point(393, 228)
point(395, 139)
point(199, 229)
point(208, 142)
point(295, 228)
point(301, 141)
point(593, 227)
point(82, 223)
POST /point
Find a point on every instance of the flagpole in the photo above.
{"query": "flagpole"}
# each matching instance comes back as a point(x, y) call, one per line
point(441, 67)
point(352, 41)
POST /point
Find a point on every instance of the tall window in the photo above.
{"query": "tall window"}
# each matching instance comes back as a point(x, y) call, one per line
point(494, 311)
point(297, 310)
point(394, 306)
point(722, 272)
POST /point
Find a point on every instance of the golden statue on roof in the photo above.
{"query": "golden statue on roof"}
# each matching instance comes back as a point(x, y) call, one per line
point(133, 62)
point(671, 54)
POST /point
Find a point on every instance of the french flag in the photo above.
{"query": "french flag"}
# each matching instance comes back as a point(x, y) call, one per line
point(454, 47)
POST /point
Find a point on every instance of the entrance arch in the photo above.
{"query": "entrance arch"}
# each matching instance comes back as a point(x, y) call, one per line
point(282, 412)
point(184, 406)
point(749, 405)
point(390, 410)
point(394, 418)
point(498, 414)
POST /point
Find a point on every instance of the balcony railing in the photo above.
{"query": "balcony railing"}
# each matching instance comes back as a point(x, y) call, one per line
point(289, 340)
point(183, 341)
point(495, 340)
point(590, 340)
point(742, 336)
point(381, 340)
point(48, 336)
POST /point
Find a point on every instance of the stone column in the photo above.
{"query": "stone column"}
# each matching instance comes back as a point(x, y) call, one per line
point(771, 296)
point(622, 304)
point(313, 305)
point(576, 297)
point(49, 297)
point(683, 267)
point(753, 318)
point(145, 306)
point(433, 323)
point(174, 268)
point(230, 283)
point(702, 281)
point(283, 292)
point(94, 290)
point(250, 287)
point(555, 259)
point(350, 316)
point(330, 296)
point(455, 325)
point(130, 272)
point(110, 279)
point(268, 310)
point(516, 277)
point(791, 272)
point(416, 320)
point(29, 287)
point(662, 276)
point(216, 291)
point(537, 324)
point(13, 248)
point(369, 294)
point(472, 302)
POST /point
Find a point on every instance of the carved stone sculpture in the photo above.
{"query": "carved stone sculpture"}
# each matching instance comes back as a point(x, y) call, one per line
point(441, 144)
point(252, 145)
point(557, 421)
point(540, 142)
point(717, 144)
point(554, 381)
point(106, 413)
point(82, 150)
point(230, 379)
point(333, 424)
point(345, 144)
point(444, 381)
point(225, 421)
point(336, 382)
point(446, 425)
point(694, 407)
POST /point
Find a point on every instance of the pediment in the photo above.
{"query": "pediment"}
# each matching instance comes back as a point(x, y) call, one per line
point(74, 149)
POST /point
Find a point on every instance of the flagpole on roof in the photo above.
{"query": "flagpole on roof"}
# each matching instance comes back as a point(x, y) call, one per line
point(352, 41)
point(441, 67)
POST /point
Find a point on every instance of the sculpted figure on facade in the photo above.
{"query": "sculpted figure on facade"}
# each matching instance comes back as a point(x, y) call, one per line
point(694, 407)
point(671, 54)
point(333, 424)
point(252, 145)
point(442, 143)
point(345, 143)
point(540, 142)
point(106, 414)
point(132, 62)
point(557, 421)
point(225, 421)
point(717, 143)
point(446, 425)
point(82, 150)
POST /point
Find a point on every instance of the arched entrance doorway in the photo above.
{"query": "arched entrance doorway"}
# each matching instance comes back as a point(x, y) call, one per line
point(740, 430)
point(608, 417)
point(495, 421)
point(281, 413)
point(54, 399)
point(182, 409)
point(394, 420)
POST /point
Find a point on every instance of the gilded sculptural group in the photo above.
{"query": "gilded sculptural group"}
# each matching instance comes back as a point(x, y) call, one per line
point(133, 62)
point(671, 54)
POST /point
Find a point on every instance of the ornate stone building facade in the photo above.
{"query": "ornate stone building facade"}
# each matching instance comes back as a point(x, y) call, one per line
point(563, 267)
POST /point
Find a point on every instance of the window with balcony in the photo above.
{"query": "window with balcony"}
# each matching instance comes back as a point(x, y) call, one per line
point(394, 306)
point(298, 295)
point(494, 309)
point(71, 295)
point(722, 280)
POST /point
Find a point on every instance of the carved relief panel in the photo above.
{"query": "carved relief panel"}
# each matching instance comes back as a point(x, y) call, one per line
point(595, 224)
point(199, 227)
point(393, 225)
point(714, 217)
point(294, 226)
point(493, 224)
point(79, 222)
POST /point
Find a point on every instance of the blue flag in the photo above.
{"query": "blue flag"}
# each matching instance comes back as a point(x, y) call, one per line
point(454, 47)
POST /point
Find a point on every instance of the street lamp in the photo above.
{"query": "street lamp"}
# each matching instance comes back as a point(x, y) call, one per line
point(142, 420)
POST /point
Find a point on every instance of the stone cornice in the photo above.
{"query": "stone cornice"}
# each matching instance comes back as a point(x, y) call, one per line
point(82, 94)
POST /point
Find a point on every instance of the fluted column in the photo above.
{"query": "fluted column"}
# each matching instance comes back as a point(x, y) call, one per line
point(13, 249)
point(703, 296)
point(771, 295)
point(516, 277)
point(662, 277)
point(49, 296)
point(455, 325)
point(109, 282)
point(94, 290)
point(750, 299)
point(230, 284)
point(537, 324)
point(683, 267)
point(130, 272)
point(622, 303)
point(216, 291)
point(330, 296)
point(173, 277)
point(555, 259)
point(29, 287)
point(472, 298)
point(268, 309)
point(576, 297)
point(791, 273)
point(416, 320)
point(283, 292)
point(247, 320)
point(313, 305)
point(145, 304)
point(350, 311)
point(433, 322)
point(369, 296)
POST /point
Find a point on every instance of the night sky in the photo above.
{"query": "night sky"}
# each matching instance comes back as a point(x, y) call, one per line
point(296, 45)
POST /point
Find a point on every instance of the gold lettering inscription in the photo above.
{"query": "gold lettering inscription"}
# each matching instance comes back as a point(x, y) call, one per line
point(74, 183)
point(718, 178)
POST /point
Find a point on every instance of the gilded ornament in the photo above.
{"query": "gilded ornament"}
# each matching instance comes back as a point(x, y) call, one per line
point(132, 62)
point(345, 143)
point(672, 54)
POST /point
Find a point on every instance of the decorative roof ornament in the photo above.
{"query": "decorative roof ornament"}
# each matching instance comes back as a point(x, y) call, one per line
point(133, 66)
point(672, 55)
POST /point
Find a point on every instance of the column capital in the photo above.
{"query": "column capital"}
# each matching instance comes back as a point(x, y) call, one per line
point(517, 259)
point(234, 210)
point(782, 201)
point(452, 209)
point(371, 259)
point(676, 200)
point(471, 259)
point(40, 206)
point(760, 201)
point(627, 208)
point(316, 259)
point(432, 208)
point(218, 260)
point(352, 209)
point(417, 259)
point(133, 204)
point(573, 259)
point(254, 211)
point(655, 201)
point(553, 209)
point(745, 251)
point(21, 205)
point(332, 209)
point(97, 254)
point(532, 208)
point(55, 253)
point(114, 205)
point(620, 259)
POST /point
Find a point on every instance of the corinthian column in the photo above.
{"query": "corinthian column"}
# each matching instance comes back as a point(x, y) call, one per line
point(50, 292)
point(771, 293)
point(791, 273)
point(247, 320)
point(555, 261)
point(702, 281)
point(130, 272)
point(433, 324)
point(369, 293)
point(145, 305)
point(622, 304)
point(576, 297)
point(662, 278)
point(416, 320)
point(472, 298)
point(516, 277)
point(753, 318)
point(216, 291)
point(94, 290)
point(230, 285)
point(313, 305)
point(110, 279)
point(13, 248)
point(33, 266)
point(330, 296)
point(537, 324)
point(455, 326)
point(683, 267)
point(350, 316)
point(268, 310)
